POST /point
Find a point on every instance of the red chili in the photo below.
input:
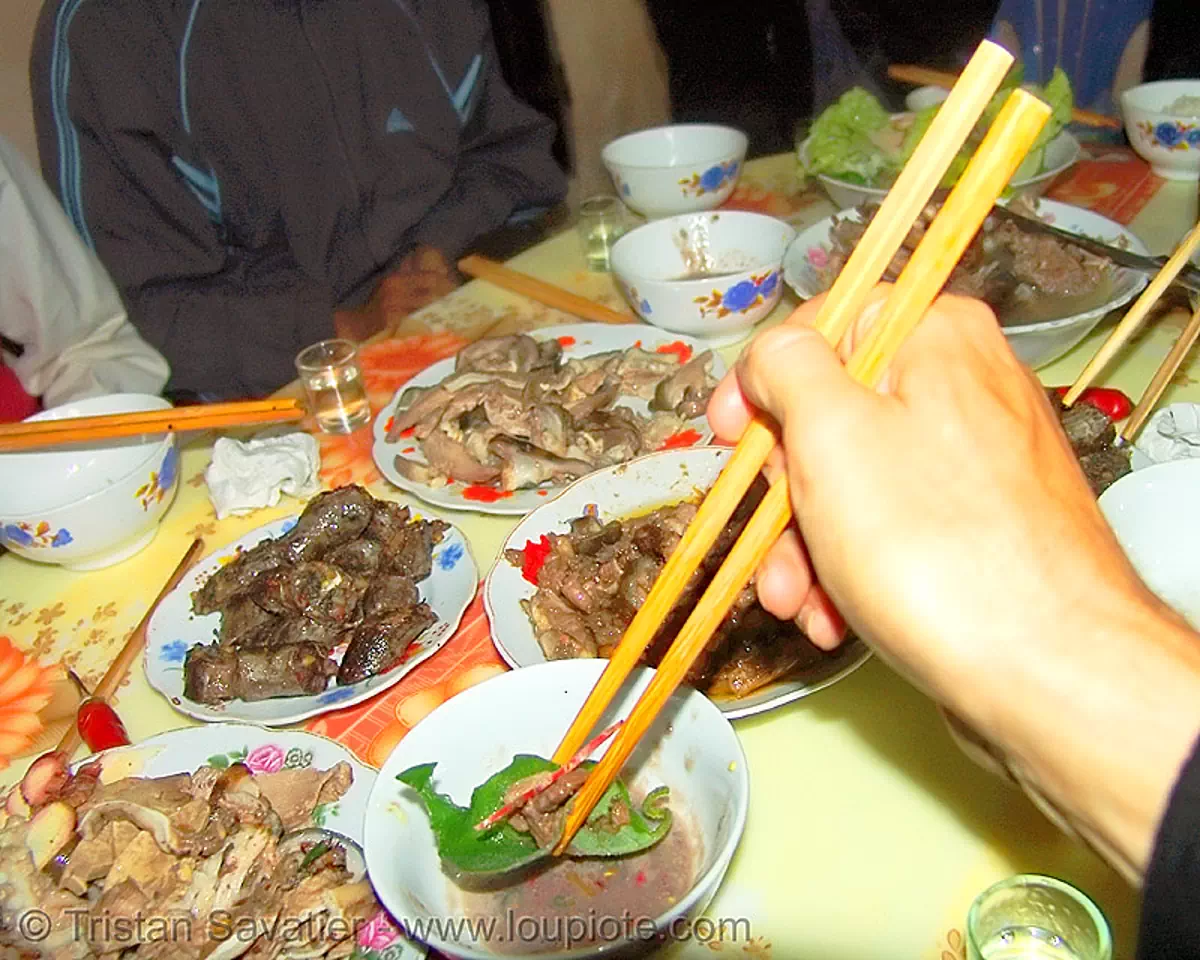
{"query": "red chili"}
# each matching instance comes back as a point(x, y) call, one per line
point(533, 556)
point(99, 725)
point(1110, 401)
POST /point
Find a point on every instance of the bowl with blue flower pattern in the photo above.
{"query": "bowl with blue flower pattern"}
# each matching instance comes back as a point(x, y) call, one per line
point(681, 168)
point(1162, 120)
point(175, 628)
point(710, 275)
point(89, 505)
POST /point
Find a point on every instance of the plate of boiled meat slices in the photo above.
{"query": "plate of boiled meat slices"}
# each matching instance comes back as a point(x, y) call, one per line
point(509, 421)
point(571, 575)
point(310, 613)
point(225, 838)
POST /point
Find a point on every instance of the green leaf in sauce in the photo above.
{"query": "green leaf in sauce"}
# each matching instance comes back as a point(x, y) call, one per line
point(502, 848)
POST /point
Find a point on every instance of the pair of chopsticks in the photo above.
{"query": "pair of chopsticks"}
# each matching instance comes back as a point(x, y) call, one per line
point(924, 76)
point(481, 268)
point(961, 216)
point(1128, 328)
point(133, 647)
point(50, 433)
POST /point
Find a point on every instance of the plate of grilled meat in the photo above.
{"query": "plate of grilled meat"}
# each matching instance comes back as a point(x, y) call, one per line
point(509, 421)
point(310, 613)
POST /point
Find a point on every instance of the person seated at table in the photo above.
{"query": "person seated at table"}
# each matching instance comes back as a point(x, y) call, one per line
point(945, 519)
point(64, 334)
point(260, 176)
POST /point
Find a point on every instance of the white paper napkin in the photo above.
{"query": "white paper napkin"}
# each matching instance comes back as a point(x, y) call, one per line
point(1173, 433)
point(247, 475)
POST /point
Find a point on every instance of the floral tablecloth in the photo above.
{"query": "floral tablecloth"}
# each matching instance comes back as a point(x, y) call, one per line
point(869, 832)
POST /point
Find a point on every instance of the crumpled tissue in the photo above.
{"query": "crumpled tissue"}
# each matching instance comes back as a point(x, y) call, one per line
point(1173, 433)
point(250, 474)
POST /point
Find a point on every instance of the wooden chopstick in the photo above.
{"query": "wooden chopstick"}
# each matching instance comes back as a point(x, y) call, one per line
point(1162, 377)
point(41, 433)
point(483, 268)
point(847, 297)
point(1132, 321)
point(998, 157)
point(133, 647)
point(926, 77)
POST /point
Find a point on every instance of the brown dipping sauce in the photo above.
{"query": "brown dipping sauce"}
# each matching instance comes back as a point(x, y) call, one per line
point(575, 903)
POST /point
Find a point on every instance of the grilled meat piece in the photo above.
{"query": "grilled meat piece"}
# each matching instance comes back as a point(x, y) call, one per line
point(316, 590)
point(330, 519)
point(411, 552)
point(1087, 428)
point(378, 644)
point(389, 594)
point(685, 393)
point(360, 557)
point(242, 617)
point(524, 465)
point(214, 674)
point(287, 631)
point(1104, 467)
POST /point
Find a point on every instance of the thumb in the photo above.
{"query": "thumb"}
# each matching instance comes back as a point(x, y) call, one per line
point(793, 374)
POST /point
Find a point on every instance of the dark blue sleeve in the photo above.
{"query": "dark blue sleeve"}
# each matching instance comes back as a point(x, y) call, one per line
point(1170, 924)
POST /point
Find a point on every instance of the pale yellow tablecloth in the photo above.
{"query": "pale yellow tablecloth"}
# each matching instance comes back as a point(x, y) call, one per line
point(869, 833)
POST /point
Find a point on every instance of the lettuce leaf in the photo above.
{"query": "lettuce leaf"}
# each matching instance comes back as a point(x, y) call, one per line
point(840, 143)
point(502, 848)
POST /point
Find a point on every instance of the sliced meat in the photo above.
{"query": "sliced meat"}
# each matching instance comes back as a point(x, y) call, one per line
point(685, 393)
point(410, 553)
point(517, 353)
point(286, 631)
point(524, 465)
point(316, 590)
point(389, 594)
point(360, 556)
point(238, 576)
point(214, 674)
point(378, 644)
point(242, 617)
point(451, 458)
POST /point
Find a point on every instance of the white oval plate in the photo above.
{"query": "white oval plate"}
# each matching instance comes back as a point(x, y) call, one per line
point(174, 629)
point(219, 744)
point(804, 259)
point(582, 340)
point(640, 485)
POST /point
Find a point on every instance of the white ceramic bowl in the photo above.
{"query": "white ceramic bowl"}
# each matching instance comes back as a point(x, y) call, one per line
point(1169, 142)
point(90, 505)
point(680, 168)
point(1036, 344)
point(1061, 153)
point(691, 749)
point(1155, 513)
point(742, 252)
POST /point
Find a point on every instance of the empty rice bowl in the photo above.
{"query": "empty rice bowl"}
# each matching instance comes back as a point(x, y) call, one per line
point(1155, 515)
point(682, 168)
point(89, 505)
point(1162, 121)
point(1061, 153)
point(709, 275)
point(691, 749)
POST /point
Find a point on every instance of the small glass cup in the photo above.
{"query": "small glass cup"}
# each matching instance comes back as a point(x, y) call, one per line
point(1031, 916)
point(602, 220)
point(333, 383)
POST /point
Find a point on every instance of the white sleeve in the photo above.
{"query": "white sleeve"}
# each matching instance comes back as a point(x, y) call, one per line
point(58, 302)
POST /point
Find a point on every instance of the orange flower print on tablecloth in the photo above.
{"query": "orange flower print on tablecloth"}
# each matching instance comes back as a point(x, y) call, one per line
point(371, 730)
point(386, 366)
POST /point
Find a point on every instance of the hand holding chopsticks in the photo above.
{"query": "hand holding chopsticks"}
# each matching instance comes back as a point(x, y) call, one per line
point(997, 159)
point(32, 434)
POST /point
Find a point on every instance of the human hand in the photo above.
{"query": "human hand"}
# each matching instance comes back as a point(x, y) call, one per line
point(421, 277)
point(945, 515)
point(946, 518)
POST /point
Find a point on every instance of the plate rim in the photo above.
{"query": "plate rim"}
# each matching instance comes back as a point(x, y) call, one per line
point(199, 712)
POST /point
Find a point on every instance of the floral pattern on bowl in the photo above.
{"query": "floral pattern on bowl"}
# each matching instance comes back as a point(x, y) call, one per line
point(642, 304)
point(40, 535)
point(711, 180)
point(1171, 135)
point(742, 296)
point(161, 480)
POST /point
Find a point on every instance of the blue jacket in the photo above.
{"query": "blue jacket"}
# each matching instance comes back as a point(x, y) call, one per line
point(244, 167)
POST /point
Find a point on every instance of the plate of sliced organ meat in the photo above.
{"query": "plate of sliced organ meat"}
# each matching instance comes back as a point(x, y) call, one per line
point(310, 613)
point(509, 421)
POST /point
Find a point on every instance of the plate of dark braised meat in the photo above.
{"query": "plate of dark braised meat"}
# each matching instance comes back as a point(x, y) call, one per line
point(571, 575)
point(310, 613)
point(510, 421)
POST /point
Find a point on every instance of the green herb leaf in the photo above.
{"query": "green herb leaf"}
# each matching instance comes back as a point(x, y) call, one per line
point(317, 850)
point(841, 144)
point(502, 848)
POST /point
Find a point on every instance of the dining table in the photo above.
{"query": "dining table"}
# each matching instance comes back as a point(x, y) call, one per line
point(869, 831)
